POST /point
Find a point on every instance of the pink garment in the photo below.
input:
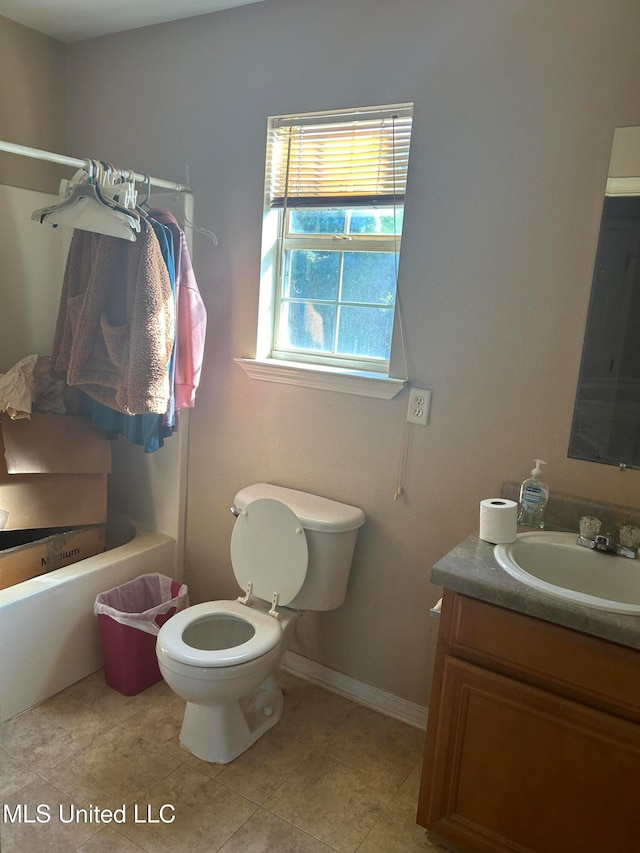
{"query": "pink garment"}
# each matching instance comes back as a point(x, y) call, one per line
point(191, 317)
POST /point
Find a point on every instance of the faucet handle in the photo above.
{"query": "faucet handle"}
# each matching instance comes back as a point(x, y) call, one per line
point(590, 527)
point(630, 536)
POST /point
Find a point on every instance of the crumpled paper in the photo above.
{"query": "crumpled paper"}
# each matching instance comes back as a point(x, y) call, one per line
point(48, 395)
point(30, 384)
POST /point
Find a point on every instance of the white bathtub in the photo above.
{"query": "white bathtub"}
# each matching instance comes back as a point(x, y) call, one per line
point(48, 633)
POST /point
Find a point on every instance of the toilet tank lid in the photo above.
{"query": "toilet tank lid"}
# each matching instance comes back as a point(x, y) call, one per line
point(314, 512)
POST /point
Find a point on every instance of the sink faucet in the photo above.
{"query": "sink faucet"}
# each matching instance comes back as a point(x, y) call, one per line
point(604, 543)
point(599, 543)
point(590, 537)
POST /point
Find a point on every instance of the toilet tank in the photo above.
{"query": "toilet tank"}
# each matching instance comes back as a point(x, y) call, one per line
point(331, 529)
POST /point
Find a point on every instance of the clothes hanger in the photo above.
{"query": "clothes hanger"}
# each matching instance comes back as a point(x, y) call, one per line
point(118, 186)
point(189, 224)
point(185, 219)
point(200, 230)
point(147, 185)
point(86, 208)
point(109, 195)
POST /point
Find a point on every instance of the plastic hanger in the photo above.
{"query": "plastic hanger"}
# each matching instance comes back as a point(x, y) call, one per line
point(120, 197)
point(147, 184)
point(87, 208)
point(194, 227)
point(185, 219)
point(117, 186)
point(200, 230)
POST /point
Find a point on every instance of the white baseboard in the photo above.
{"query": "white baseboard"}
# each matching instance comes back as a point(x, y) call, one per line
point(364, 694)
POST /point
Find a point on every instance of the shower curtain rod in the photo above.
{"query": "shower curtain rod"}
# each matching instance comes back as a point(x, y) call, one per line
point(63, 160)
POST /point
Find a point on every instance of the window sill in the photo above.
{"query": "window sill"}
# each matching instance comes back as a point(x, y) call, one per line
point(324, 378)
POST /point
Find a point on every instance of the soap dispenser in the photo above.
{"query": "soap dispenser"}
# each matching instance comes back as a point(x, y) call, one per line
point(534, 496)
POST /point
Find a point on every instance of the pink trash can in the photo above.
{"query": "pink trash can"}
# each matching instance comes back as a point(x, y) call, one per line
point(129, 618)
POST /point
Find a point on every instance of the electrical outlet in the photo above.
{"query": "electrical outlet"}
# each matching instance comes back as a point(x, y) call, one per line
point(419, 404)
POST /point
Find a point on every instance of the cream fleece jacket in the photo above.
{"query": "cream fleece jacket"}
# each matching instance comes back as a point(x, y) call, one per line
point(115, 328)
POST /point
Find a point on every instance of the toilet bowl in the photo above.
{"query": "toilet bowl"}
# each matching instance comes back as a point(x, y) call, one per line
point(290, 551)
point(218, 657)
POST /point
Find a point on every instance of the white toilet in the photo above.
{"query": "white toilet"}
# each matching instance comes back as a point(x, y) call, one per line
point(290, 552)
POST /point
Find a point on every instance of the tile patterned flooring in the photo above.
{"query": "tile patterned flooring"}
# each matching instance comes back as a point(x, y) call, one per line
point(331, 776)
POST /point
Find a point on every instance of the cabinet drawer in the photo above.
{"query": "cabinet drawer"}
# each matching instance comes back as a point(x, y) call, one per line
point(548, 654)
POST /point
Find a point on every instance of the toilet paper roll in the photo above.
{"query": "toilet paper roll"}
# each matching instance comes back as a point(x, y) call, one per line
point(498, 520)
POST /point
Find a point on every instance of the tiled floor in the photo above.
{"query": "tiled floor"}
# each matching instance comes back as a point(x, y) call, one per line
point(331, 776)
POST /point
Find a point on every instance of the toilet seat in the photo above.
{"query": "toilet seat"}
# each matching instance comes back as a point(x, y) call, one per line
point(267, 633)
point(269, 550)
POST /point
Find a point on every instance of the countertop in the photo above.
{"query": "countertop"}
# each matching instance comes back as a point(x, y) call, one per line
point(470, 569)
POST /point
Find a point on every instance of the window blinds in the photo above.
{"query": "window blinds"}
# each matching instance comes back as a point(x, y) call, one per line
point(342, 159)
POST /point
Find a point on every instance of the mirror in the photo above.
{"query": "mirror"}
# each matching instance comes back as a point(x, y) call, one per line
point(606, 418)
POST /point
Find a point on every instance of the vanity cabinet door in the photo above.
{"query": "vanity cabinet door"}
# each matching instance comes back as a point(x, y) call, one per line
point(515, 768)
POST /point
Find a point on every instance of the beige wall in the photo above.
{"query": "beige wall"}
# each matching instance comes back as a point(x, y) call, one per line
point(515, 105)
point(33, 103)
point(32, 260)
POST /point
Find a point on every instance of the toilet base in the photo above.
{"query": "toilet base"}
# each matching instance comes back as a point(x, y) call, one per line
point(220, 733)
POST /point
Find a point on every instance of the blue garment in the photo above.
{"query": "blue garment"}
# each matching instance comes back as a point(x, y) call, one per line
point(146, 430)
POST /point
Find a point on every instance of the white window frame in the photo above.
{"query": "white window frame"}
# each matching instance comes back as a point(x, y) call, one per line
point(389, 244)
point(360, 375)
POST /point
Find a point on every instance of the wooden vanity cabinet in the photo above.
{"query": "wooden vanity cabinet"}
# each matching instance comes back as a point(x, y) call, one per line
point(533, 737)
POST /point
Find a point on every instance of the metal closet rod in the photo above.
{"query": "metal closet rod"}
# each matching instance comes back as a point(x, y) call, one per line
point(63, 160)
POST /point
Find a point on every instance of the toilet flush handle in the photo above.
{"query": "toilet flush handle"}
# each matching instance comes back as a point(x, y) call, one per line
point(234, 511)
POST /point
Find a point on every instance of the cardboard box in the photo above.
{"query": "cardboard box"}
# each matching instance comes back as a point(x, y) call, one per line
point(27, 554)
point(53, 472)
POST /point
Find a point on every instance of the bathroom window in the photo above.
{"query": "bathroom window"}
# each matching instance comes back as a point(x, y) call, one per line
point(334, 210)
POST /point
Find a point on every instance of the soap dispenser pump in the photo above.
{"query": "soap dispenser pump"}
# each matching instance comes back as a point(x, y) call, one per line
point(534, 496)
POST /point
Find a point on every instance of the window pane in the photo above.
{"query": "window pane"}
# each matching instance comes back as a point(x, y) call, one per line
point(365, 331)
point(305, 325)
point(361, 220)
point(369, 277)
point(366, 220)
point(317, 221)
point(311, 275)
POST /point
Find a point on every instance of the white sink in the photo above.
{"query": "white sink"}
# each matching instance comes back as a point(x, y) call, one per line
point(553, 563)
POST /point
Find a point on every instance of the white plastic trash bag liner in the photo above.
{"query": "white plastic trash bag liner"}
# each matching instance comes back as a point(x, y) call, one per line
point(145, 603)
